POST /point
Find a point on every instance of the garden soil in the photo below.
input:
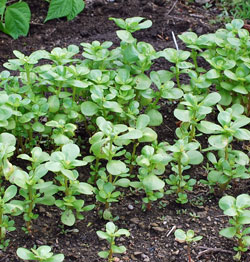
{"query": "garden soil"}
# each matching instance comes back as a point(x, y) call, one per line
point(152, 232)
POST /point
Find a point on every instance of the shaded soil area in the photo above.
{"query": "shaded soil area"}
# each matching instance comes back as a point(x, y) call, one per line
point(152, 237)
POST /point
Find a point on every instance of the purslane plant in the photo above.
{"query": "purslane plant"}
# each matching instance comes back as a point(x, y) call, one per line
point(152, 164)
point(7, 208)
point(148, 135)
point(42, 253)
point(223, 170)
point(112, 232)
point(184, 154)
point(188, 237)
point(7, 148)
point(107, 90)
point(107, 144)
point(178, 57)
point(63, 163)
point(230, 126)
point(227, 52)
point(33, 188)
point(238, 210)
point(193, 109)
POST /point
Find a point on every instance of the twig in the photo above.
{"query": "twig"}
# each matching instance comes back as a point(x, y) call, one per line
point(171, 230)
point(210, 249)
point(196, 15)
point(171, 9)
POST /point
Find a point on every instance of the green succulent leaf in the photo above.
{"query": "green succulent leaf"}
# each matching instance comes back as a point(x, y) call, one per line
point(68, 218)
point(227, 202)
point(180, 235)
point(103, 254)
point(155, 117)
point(110, 228)
point(25, 254)
point(243, 201)
point(228, 232)
point(9, 193)
point(118, 250)
point(152, 182)
point(89, 108)
point(116, 167)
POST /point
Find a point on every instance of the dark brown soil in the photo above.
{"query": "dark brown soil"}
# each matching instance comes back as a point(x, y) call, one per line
point(152, 237)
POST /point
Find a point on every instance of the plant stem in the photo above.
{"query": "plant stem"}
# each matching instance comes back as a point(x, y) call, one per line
point(66, 186)
point(110, 257)
point(74, 93)
point(192, 133)
point(27, 73)
point(110, 158)
point(189, 253)
point(30, 134)
point(131, 167)
point(96, 169)
point(194, 57)
point(85, 122)
point(226, 152)
point(31, 203)
point(1, 221)
point(59, 89)
point(107, 205)
point(149, 206)
point(22, 145)
point(180, 175)
point(177, 77)
point(248, 106)
point(156, 100)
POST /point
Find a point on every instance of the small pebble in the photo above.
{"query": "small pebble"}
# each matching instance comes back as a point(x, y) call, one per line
point(130, 207)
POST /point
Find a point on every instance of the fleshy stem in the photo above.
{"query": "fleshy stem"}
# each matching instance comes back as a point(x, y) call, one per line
point(66, 186)
point(31, 203)
point(189, 253)
point(179, 174)
point(177, 77)
point(131, 167)
point(110, 257)
point(110, 158)
point(1, 221)
point(194, 57)
point(192, 133)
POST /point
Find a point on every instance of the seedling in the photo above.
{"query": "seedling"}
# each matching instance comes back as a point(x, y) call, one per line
point(238, 210)
point(62, 163)
point(194, 109)
point(62, 131)
point(178, 57)
point(148, 135)
point(112, 232)
point(153, 163)
point(7, 148)
point(7, 207)
point(231, 122)
point(224, 170)
point(42, 253)
point(184, 154)
point(187, 237)
point(34, 189)
point(132, 24)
